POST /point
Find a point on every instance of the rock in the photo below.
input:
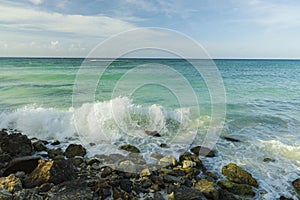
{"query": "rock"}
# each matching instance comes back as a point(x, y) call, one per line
point(296, 184)
point(127, 166)
point(76, 161)
point(75, 150)
point(130, 148)
point(76, 189)
point(16, 145)
point(188, 164)
point(167, 160)
point(56, 142)
point(4, 157)
point(269, 160)
point(231, 139)
point(26, 164)
point(5, 195)
point(145, 173)
point(106, 171)
point(153, 133)
point(39, 145)
point(158, 196)
point(126, 185)
point(55, 171)
point(164, 145)
point(191, 157)
point(53, 153)
point(172, 179)
point(145, 183)
point(285, 198)
point(240, 189)
point(209, 189)
point(10, 183)
point(238, 175)
point(186, 193)
point(27, 194)
point(203, 151)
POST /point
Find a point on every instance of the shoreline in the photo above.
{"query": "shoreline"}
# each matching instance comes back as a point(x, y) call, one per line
point(39, 169)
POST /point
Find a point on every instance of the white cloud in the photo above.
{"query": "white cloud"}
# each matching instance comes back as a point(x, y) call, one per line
point(271, 14)
point(54, 44)
point(36, 2)
point(19, 18)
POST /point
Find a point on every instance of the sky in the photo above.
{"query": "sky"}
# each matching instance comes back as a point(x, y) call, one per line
point(225, 28)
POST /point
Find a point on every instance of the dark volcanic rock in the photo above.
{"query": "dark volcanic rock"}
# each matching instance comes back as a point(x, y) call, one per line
point(56, 142)
point(52, 153)
point(238, 175)
point(231, 139)
point(240, 189)
point(75, 150)
point(130, 148)
point(153, 133)
point(186, 193)
point(39, 145)
point(296, 184)
point(76, 189)
point(203, 151)
point(55, 171)
point(26, 164)
point(16, 145)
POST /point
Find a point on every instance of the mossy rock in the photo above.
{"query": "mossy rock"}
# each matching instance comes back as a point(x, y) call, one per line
point(240, 189)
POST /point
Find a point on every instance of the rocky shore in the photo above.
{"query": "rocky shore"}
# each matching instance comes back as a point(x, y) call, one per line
point(36, 169)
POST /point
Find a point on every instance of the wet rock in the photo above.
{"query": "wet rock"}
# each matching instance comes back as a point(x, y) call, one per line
point(127, 166)
point(188, 164)
point(27, 194)
point(209, 189)
point(106, 171)
point(158, 196)
point(238, 175)
point(145, 183)
point(126, 185)
point(75, 150)
point(145, 173)
point(76, 161)
point(76, 189)
point(153, 133)
point(240, 189)
point(296, 184)
point(4, 157)
point(172, 179)
point(164, 145)
point(90, 161)
point(285, 198)
point(56, 142)
point(190, 157)
point(231, 139)
point(53, 153)
point(26, 164)
point(203, 151)
point(157, 180)
point(186, 193)
point(167, 160)
point(130, 148)
point(10, 183)
point(5, 195)
point(156, 156)
point(269, 160)
point(55, 171)
point(16, 145)
point(39, 145)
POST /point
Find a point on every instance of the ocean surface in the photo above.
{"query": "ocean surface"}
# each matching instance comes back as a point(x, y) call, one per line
point(40, 97)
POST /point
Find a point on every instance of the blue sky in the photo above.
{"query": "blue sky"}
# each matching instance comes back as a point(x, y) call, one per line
point(225, 28)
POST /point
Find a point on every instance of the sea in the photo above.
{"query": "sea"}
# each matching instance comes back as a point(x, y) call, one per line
point(103, 103)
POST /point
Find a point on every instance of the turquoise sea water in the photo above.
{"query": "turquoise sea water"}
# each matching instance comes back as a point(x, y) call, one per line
point(262, 109)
